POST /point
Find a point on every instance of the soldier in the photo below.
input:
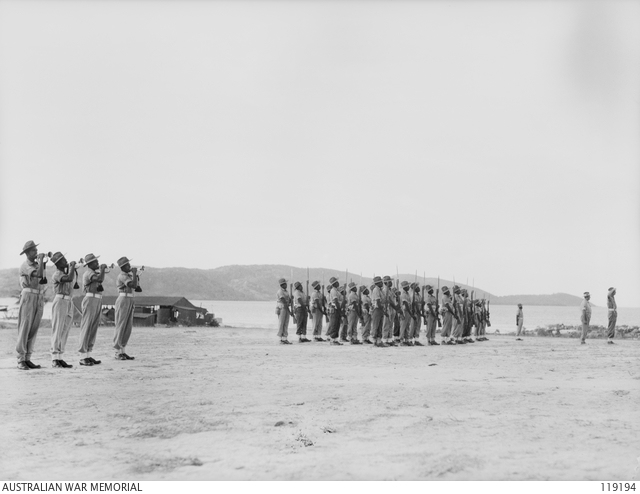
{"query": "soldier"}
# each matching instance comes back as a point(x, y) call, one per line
point(31, 304)
point(484, 318)
point(300, 306)
point(329, 308)
point(430, 317)
point(365, 303)
point(449, 314)
point(62, 310)
point(416, 322)
point(388, 297)
point(519, 322)
point(585, 317)
point(283, 311)
point(335, 311)
point(353, 308)
point(459, 307)
point(406, 314)
point(377, 311)
point(317, 311)
point(92, 280)
point(468, 320)
point(478, 317)
point(613, 315)
point(126, 283)
point(396, 319)
point(343, 321)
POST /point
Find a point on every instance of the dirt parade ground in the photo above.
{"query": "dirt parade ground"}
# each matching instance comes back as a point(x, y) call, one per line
point(225, 404)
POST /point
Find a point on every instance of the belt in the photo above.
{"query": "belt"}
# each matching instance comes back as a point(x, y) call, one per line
point(125, 294)
point(613, 310)
point(94, 295)
point(63, 297)
point(30, 290)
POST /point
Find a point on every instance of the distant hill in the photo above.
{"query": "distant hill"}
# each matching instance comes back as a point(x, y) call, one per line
point(257, 282)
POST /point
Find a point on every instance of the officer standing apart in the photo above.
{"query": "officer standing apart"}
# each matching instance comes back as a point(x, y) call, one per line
point(62, 309)
point(127, 282)
point(613, 315)
point(31, 304)
point(519, 322)
point(585, 317)
point(92, 280)
point(282, 311)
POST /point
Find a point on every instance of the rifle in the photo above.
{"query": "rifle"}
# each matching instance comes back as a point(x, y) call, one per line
point(290, 307)
point(471, 318)
point(343, 309)
point(308, 297)
point(454, 302)
point(413, 296)
point(438, 304)
point(359, 303)
point(324, 300)
point(323, 304)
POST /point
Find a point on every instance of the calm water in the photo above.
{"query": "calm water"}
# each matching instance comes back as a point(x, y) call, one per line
point(503, 317)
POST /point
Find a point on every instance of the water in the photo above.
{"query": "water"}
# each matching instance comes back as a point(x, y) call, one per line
point(503, 317)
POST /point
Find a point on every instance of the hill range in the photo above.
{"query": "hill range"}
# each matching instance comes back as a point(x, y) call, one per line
point(259, 282)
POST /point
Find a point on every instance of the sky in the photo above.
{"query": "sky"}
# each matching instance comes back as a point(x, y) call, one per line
point(492, 141)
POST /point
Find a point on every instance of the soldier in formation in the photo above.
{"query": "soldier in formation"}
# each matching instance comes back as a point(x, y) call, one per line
point(387, 316)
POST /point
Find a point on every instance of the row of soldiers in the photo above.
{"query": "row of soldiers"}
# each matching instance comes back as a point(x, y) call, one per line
point(32, 279)
point(388, 315)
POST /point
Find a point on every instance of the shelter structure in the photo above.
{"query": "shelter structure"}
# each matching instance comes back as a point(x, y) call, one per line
point(150, 310)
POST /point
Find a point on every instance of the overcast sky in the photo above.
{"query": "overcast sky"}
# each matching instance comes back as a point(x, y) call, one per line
point(494, 141)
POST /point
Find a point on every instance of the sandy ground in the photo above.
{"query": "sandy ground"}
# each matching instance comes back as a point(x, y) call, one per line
point(203, 403)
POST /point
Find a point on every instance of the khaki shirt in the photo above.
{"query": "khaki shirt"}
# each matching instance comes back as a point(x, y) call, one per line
point(417, 301)
point(459, 304)
point(446, 304)
point(352, 299)
point(404, 297)
point(282, 296)
point(519, 315)
point(122, 281)
point(431, 303)
point(586, 308)
point(377, 296)
point(26, 281)
point(336, 297)
point(366, 302)
point(89, 285)
point(316, 296)
point(61, 287)
point(611, 303)
point(299, 295)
